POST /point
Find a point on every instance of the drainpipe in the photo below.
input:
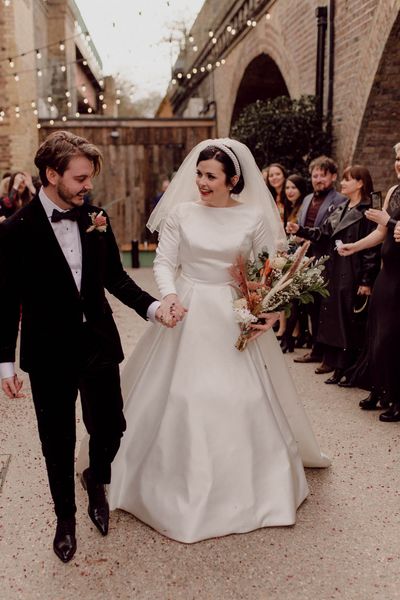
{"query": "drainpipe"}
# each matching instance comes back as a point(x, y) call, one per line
point(321, 13)
point(331, 63)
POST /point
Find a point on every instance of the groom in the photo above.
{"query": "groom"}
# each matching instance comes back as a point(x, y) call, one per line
point(57, 257)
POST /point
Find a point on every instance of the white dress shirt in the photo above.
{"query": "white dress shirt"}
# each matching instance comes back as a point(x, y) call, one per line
point(69, 239)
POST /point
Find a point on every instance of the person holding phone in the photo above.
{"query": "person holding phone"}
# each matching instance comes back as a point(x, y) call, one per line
point(384, 320)
point(343, 313)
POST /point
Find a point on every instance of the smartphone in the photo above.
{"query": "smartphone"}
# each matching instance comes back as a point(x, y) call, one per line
point(376, 200)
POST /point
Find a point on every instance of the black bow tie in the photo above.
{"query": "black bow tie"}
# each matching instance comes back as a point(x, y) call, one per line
point(57, 215)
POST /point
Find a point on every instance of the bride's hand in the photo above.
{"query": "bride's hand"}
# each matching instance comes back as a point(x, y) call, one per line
point(270, 320)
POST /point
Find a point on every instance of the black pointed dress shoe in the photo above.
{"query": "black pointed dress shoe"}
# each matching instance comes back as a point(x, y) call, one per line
point(335, 378)
point(98, 508)
point(371, 402)
point(390, 416)
point(64, 543)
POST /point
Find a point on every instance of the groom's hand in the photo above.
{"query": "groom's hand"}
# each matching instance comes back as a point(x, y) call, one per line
point(12, 386)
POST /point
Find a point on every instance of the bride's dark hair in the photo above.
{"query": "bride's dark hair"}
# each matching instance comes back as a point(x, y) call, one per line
point(212, 152)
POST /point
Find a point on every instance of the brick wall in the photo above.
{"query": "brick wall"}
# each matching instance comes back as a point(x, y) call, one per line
point(18, 136)
point(366, 73)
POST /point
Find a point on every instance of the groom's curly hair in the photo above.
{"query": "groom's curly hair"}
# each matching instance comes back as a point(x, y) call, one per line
point(57, 150)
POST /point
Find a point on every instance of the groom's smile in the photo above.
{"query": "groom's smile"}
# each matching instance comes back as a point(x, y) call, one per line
point(68, 190)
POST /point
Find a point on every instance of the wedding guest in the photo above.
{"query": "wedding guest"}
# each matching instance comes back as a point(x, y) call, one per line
point(341, 329)
point(5, 204)
point(313, 212)
point(56, 260)
point(384, 319)
point(275, 177)
point(20, 191)
point(297, 322)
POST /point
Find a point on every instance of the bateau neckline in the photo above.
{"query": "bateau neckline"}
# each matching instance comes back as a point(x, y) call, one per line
point(219, 207)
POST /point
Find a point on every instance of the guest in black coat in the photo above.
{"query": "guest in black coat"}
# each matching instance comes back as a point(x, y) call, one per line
point(343, 314)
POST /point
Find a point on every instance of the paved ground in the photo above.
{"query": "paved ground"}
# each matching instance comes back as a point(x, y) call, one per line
point(345, 544)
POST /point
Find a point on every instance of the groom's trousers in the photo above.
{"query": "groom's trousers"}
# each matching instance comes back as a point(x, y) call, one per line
point(54, 395)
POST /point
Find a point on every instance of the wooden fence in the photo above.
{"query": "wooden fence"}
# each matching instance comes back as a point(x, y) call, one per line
point(138, 154)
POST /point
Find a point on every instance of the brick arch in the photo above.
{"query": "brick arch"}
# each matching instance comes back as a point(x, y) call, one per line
point(376, 137)
point(265, 39)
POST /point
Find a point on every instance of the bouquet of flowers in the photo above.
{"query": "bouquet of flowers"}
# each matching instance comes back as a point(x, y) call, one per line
point(271, 284)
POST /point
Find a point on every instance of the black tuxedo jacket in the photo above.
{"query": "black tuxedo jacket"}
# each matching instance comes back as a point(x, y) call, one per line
point(36, 279)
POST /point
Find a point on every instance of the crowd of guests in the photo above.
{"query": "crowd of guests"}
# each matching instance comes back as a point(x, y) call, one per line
point(351, 333)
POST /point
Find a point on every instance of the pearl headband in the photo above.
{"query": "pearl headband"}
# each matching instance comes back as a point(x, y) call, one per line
point(231, 155)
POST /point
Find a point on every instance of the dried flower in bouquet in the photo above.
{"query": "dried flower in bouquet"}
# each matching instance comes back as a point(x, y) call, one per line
point(269, 285)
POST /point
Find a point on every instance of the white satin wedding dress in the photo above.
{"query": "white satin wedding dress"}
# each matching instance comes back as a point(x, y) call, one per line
point(216, 438)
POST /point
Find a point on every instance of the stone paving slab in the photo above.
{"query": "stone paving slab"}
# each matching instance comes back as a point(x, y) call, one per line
point(344, 546)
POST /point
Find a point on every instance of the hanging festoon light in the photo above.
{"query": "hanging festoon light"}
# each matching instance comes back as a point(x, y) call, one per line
point(51, 121)
point(90, 110)
point(211, 33)
point(268, 16)
point(11, 63)
point(16, 76)
point(61, 46)
point(63, 118)
point(33, 104)
point(63, 68)
point(195, 48)
point(77, 114)
point(38, 54)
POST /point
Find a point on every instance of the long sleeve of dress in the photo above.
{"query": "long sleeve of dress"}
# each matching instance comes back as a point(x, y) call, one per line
point(167, 256)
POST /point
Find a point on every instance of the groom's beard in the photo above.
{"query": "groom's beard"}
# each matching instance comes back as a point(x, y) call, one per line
point(69, 197)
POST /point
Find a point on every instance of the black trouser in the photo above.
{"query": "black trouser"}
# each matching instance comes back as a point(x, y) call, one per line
point(313, 309)
point(54, 395)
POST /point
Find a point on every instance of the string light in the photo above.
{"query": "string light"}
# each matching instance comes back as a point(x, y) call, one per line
point(38, 125)
point(38, 54)
point(90, 110)
point(64, 118)
point(268, 16)
point(63, 68)
point(211, 33)
point(33, 104)
point(195, 48)
point(214, 40)
point(51, 121)
point(62, 46)
point(16, 77)
point(11, 63)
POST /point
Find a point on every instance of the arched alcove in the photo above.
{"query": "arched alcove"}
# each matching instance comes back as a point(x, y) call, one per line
point(262, 80)
point(379, 129)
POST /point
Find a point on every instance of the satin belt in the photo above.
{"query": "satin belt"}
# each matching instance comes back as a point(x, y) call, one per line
point(194, 280)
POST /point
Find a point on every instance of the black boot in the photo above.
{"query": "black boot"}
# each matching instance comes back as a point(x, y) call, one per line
point(374, 401)
point(64, 543)
point(287, 343)
point(98, 509)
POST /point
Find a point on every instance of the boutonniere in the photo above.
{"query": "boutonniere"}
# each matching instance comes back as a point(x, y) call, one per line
point(99, 222)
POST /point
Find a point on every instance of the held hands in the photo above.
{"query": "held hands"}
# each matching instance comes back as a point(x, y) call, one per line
point(12, 387)
point(292, 228)
point(381, 217)
point(170, 311)
point(270, 320)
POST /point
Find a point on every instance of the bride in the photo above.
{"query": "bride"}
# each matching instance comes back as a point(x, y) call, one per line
point(216, 438)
